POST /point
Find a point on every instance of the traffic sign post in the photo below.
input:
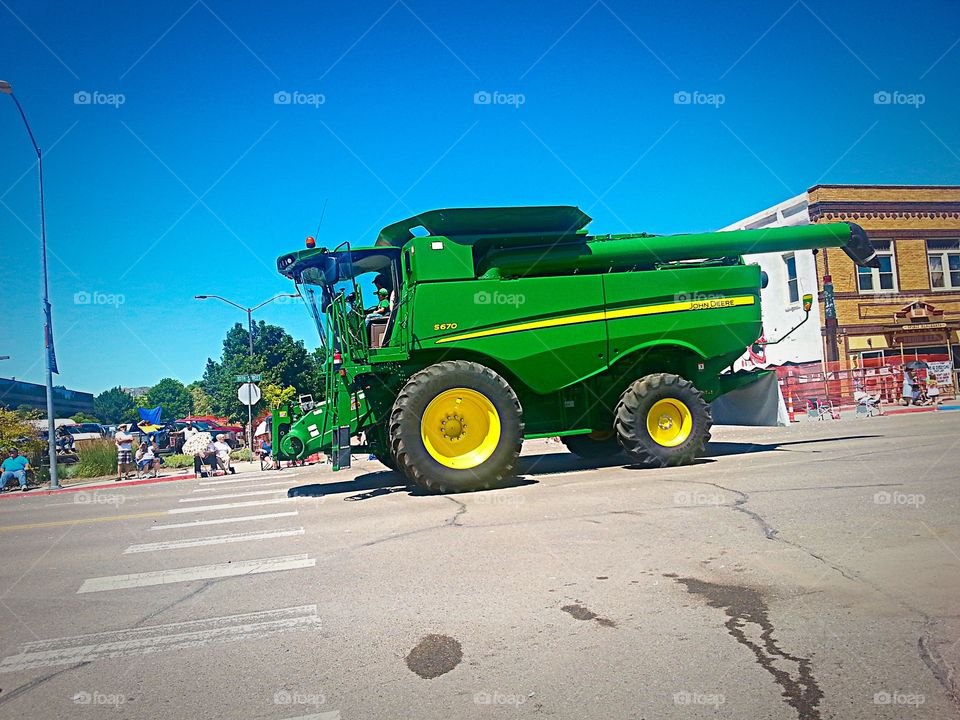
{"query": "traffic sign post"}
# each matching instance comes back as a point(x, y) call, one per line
point(249, 394)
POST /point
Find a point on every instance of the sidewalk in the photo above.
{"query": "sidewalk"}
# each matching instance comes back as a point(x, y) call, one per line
point(104, 483)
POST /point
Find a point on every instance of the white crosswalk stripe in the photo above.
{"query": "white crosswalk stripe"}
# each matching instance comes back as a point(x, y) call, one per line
point(213, 540)
point(155, 638)
point(200, 572)
point(229, 506)
point(285, 483)
point(223, 521)
point(246, 479)
point(232, 495)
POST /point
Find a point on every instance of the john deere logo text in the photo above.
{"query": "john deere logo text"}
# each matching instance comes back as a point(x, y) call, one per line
point(710, 304)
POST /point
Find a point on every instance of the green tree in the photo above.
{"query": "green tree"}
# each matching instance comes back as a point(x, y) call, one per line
point(81, 417)
point(15, 431)
point(200, 401)
point(114, 406)
point(275, 396)
point(173, 396)
point(280, 359)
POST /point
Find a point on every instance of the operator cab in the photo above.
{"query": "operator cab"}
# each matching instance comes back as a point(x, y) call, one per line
point(361, 285)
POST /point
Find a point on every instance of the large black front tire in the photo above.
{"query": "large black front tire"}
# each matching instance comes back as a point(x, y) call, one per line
point(407, 420)
point(637, 413)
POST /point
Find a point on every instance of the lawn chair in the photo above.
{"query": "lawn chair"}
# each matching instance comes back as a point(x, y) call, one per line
point(818, 409)
point(867, 405)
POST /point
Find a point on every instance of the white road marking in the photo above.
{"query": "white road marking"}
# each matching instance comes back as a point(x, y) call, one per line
point(229, 506)
point(200, 572)
point(155, 638)
point(247, 478)
point(221, 521)
point(220, 489)
point(213, 540)
point(232, 495)
point(328, 715)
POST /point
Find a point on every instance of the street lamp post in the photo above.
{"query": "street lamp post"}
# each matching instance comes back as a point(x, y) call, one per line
point(6, 88)
point(249, 311)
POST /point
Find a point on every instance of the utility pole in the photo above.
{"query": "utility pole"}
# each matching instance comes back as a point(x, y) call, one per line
point(48, 347)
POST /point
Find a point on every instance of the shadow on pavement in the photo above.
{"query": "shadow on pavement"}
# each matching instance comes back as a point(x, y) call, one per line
point(378, 483)
point(720, 449)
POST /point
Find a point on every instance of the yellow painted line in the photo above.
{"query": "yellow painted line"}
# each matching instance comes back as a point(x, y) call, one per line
point(82, 521)
point(664, 308)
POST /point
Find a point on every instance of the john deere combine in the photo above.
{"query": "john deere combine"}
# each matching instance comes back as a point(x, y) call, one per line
point(499, 324)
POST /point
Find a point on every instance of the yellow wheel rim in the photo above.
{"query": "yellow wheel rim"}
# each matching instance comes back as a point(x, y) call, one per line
point(460, 428)
point(669, 422)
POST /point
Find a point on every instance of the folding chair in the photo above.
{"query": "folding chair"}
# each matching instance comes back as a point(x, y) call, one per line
point(867, 405)
point(818, 409)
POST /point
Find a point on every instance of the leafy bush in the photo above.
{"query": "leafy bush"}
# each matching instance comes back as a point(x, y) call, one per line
point(242, 455)
point(178, 461)
point(97, 458)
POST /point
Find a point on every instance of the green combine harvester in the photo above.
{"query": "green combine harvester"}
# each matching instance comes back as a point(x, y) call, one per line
point(462, 332)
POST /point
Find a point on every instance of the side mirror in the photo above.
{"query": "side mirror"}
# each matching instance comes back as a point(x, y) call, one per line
point(807, 302)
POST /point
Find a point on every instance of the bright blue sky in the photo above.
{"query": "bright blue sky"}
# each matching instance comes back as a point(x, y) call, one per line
point(399, 133)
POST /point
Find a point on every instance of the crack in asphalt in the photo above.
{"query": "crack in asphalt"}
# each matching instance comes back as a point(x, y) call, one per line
point(168, 606)
point(936, 664)
point(17, 692)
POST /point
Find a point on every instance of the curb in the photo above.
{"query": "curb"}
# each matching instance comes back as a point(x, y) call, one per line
point(82, 488)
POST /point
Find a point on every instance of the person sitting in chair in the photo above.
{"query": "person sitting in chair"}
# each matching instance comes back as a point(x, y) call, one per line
point(15, 468)
point(223, 451)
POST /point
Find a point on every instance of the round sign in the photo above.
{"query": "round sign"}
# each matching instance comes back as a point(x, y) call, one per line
point(249, 394)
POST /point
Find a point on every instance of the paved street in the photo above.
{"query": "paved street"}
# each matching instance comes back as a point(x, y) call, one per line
point(802, 572)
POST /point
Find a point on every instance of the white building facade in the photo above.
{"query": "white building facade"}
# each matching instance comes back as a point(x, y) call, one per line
point(790, 276)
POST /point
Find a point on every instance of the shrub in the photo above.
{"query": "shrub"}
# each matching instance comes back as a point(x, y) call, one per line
point(178, 461)
point(97, 458)
point(242, 455)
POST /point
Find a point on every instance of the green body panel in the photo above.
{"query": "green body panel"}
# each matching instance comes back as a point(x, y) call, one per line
point(568, 319)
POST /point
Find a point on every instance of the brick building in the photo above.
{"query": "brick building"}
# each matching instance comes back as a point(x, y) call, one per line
point(908, 307)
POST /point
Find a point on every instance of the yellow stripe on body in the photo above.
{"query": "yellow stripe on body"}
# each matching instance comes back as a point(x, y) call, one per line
point(663, 308)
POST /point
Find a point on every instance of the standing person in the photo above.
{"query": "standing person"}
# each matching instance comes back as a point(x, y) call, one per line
point(124, 442)
point(15, 466)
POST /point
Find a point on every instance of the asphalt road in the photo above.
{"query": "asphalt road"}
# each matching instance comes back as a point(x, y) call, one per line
point(802, 572)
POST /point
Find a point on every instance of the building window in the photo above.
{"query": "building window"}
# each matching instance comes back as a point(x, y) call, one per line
point(793, 288)
point(884, 278)
point(943, 258)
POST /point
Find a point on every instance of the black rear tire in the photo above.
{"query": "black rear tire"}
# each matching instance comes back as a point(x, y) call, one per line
point(634, 419)
point(595, 446)
point(408, 422)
